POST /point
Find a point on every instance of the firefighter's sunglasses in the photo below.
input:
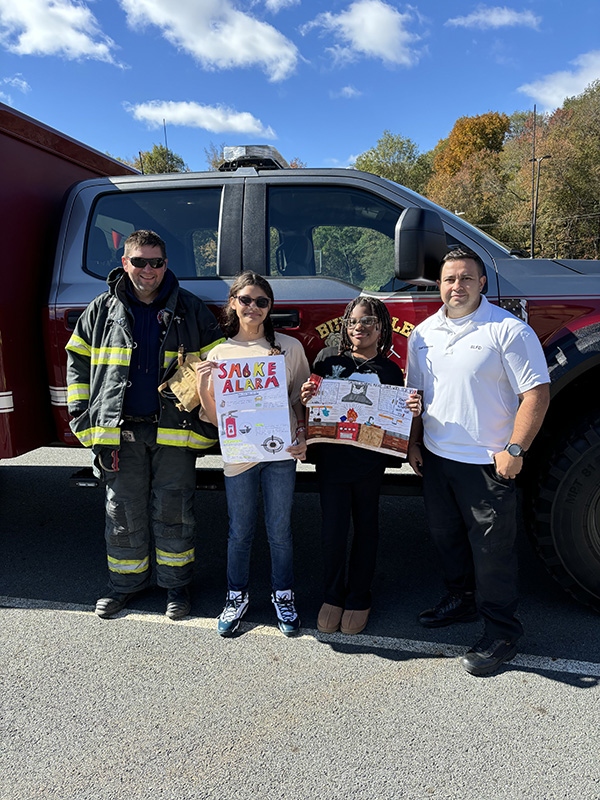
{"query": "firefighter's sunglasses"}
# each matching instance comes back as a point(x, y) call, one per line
point(140, 263)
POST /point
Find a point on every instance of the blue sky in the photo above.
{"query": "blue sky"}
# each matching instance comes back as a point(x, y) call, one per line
point(320, 80)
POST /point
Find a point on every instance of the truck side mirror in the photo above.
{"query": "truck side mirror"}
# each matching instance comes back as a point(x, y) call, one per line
point(419, 246)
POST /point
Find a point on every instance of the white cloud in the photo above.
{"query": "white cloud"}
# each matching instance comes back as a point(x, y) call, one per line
point(346, 92)
point(17, 82)
point(277, 5)
point(552, 90)
point(485, 17)
point(369, 28)
point(216, 34)
point(6, 98)
point(53, 27)
point(216, 119)
point(336, 162)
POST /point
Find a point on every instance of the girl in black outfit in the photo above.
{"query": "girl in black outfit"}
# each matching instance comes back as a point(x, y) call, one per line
point(350, 477)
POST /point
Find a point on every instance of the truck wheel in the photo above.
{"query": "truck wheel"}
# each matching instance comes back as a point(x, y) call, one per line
point(567, 513)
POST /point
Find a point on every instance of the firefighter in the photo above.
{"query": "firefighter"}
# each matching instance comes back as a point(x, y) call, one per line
point(125, 344)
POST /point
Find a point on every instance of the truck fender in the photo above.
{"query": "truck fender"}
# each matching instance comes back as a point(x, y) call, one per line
point(573, 355)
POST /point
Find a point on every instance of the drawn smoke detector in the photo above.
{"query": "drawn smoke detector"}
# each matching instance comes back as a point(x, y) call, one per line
point(358, 394)
point(273, 444)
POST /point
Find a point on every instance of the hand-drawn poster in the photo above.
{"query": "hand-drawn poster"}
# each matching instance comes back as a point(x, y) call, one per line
point(369, 415)
point(252, 409)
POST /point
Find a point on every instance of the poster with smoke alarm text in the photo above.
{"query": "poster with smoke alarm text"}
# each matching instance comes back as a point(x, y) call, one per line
point(252, 409)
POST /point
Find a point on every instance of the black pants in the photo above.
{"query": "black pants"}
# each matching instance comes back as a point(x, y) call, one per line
point(151, 495)
point(339, 501)
point(472, 517)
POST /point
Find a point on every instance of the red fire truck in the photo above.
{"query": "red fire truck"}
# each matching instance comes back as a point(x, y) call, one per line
point(322, 237)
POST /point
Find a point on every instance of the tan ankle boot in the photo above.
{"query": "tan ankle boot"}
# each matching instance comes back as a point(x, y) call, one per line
point(354, 621)
point(329, 618)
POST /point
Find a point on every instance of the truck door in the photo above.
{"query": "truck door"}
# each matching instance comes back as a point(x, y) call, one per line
point(327, 240)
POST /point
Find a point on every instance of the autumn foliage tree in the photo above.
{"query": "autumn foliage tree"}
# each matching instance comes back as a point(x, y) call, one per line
point(214, 155)
point(568, 220)
point(468, 175)
point(468, 136)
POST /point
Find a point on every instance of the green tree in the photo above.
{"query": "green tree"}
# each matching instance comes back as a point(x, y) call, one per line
point(396, 158)
point(158, 160)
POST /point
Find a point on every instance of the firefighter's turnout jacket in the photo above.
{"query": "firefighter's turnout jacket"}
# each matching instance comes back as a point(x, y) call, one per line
point(98, 358)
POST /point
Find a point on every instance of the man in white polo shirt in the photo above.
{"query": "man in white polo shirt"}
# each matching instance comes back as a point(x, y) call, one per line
point(485, 386)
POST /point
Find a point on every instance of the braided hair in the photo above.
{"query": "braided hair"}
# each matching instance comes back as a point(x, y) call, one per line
point(230, 322)
point(376, 309)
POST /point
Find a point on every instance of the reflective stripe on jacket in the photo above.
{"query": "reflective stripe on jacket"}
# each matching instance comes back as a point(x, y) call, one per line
point(98, 358)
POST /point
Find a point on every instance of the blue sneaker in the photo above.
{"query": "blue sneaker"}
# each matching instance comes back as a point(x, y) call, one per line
point(236, 606)
point(288, 619)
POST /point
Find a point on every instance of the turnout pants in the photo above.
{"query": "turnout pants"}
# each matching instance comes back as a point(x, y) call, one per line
point(472, 518)
point(149, 493)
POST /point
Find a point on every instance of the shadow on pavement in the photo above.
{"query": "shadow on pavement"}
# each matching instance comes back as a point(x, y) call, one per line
point(53, 550)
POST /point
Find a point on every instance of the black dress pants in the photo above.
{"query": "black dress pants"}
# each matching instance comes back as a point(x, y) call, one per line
point(471, 513)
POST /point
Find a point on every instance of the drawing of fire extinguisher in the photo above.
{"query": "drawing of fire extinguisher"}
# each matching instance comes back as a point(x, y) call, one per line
point(230, 427)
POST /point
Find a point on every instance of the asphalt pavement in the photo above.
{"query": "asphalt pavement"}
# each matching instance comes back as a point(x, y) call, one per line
point(143, 707)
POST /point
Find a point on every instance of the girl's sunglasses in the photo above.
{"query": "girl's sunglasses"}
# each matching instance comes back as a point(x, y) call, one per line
point(246, 300)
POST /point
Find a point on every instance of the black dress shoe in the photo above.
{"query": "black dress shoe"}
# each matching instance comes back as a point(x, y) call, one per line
point(112, 603)
point(178, 602)
point(487, 655)
point(452, 608)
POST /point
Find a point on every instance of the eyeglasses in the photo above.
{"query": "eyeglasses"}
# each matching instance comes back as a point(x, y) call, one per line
point(366, 322)
point(246, 300)
point(140, 263)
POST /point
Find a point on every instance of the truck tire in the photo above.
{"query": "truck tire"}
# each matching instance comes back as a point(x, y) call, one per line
point(566, 513)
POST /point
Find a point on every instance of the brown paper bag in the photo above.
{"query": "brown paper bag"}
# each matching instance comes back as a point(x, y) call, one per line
point(183, 385)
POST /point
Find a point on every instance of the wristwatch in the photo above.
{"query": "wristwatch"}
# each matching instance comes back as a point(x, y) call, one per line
point(515, 450)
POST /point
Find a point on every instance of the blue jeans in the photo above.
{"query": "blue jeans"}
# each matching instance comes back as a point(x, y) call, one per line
point(277, 480)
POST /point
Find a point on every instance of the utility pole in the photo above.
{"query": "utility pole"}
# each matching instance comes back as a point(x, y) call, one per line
point(535, 200)
point(533, 181)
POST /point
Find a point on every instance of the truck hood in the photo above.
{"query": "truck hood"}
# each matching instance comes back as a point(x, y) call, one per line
point(528, 278)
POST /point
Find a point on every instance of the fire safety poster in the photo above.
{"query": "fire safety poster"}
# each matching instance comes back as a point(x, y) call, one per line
point(369, 415)
point(252, 409)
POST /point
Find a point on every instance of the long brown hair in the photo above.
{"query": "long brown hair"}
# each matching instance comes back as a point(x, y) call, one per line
point(230, 322)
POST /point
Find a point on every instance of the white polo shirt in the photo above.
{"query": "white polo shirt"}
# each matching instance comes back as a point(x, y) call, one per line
point(471, 371)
